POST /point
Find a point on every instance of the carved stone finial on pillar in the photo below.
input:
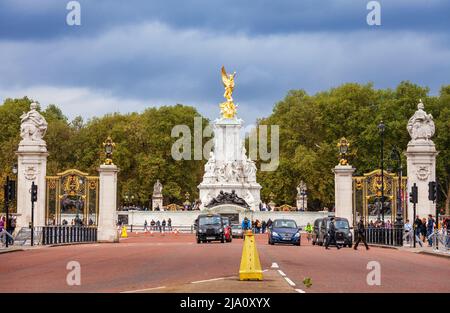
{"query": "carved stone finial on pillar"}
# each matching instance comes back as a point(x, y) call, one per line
point(421, 158)
point(32, 166)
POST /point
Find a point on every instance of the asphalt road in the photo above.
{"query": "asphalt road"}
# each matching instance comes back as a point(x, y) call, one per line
point(145, 262)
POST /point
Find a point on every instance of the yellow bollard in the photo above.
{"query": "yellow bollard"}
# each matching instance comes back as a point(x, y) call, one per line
point(124, 232)
point(250, 265)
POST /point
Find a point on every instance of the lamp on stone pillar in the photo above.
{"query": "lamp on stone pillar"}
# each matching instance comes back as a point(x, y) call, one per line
point(343, 173)
point(395, 156)
point(108, 196)
point(382, 128)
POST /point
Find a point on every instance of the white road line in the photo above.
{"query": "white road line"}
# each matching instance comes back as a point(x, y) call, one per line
point(140, 290)
point(281, 273)
point(290, 282)
point(265, 270)
point(300, 291)
point(274, 265)
point(207, 280)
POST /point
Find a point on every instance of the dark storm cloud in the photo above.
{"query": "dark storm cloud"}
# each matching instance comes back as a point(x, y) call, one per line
point(46, 18)
point(128, 55)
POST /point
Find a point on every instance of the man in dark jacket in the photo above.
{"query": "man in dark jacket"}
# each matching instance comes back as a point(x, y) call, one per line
point(361, 233)
point(331, 235)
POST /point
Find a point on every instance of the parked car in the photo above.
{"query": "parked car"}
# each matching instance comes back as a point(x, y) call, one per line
point(227, 229)
point(209, 227)
point(236, 231)
point(284, 231)
point(343, 231)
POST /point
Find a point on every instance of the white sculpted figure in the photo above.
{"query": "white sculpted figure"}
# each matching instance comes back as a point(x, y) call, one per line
point(250, 170)
point(157, 188)
point(421, 125)
point(210, 165)
point(33, 125)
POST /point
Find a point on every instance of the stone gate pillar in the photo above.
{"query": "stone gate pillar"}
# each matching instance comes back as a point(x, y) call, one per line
point(32, 166)
point(107, 230)
point(421, 161)
point(343, 192)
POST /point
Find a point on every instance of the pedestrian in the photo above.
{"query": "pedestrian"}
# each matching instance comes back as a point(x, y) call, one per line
point(309, 230)
point(430, 229)
point(145, 226)
point(361, 233)
point(163, 224)
point(246, 225)
point(158, 225)
point(408, 231)
point(263, 225)
point(10, 227)
point(331, 237)
point(269, 223)
point(152, 224)
point(169, 224)
point(423, 229)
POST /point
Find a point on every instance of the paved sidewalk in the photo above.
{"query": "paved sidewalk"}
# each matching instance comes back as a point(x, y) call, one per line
point(417, 249)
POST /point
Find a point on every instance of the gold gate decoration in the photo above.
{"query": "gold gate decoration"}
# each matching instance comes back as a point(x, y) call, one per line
point(70, 194)
point(367, 195)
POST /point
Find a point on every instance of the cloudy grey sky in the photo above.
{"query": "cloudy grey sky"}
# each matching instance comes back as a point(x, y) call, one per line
point(129, 55)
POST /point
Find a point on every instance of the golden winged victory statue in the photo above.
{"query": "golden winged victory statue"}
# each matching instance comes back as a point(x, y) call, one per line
point(227, 108)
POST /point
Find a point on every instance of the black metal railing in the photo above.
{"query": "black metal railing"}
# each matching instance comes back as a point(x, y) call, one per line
point(385, 236)
point(53, 235)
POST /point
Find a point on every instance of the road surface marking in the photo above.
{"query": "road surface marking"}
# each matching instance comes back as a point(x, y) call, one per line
point(281, 273)
point(290, 282)
point(207, 280)
point(265, 270)
point(140, 290)
point(274, 265)
point(300, 291)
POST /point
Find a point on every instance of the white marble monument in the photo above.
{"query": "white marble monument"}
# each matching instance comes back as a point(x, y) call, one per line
point(421, 160)
point(228, 167)
point(32, 166)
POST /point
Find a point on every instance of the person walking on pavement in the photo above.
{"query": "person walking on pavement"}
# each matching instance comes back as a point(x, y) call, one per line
point(163, 224)
point(331, 235)
point(361, 233)
point(430, 229)
point(158, 225)
point(169, 224)
point(309, 230)
point(145, 226)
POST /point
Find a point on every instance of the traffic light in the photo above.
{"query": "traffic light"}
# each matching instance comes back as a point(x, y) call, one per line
point(34, 192)
point(11, 190)
point(413, 195)
point(432, 191)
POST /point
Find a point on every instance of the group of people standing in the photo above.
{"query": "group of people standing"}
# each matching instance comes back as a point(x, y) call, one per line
point(158, 225)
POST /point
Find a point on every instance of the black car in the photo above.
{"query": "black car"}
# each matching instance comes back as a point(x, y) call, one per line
point(209, 227)
point(343, 231)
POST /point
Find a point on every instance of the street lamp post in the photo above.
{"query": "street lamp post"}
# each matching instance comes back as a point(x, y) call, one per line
point(395, 156)
point(381, 128)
